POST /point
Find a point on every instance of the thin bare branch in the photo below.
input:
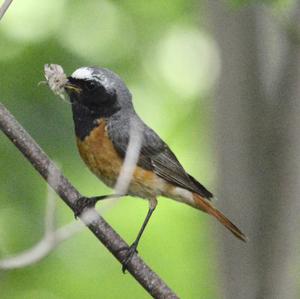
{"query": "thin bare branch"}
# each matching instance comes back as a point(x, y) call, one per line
point(4, 7)
point(49, 242)
point(50, 205)
point(126, 173)
point(99, 227)
point(52, 238)
point(131, 158)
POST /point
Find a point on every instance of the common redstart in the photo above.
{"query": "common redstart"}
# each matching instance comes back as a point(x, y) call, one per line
point(102, 112)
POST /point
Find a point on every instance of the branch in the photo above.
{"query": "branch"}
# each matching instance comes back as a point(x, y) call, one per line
point(51, 239)
point(4, 7)
point(49, 242)
point(98, 226)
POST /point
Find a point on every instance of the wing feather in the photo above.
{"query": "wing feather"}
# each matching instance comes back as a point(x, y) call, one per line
point(157, 156)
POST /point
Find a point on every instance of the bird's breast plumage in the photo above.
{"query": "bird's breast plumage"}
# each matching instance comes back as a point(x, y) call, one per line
point(99, 154)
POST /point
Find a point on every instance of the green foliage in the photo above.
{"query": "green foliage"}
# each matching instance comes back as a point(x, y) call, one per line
point(170, 66)
point(275, 3)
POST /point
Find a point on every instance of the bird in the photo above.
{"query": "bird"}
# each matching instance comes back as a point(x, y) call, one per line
point(103, 110)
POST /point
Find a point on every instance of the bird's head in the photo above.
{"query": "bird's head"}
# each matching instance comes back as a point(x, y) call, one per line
point(98, 90)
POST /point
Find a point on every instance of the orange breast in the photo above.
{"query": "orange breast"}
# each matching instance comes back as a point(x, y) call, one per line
point(99, 154)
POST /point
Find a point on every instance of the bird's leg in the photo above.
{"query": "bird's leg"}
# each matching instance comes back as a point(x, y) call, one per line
point(132, 249)
point(90, 202)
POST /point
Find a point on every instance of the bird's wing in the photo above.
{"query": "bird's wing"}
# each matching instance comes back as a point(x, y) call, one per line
point(155, 155)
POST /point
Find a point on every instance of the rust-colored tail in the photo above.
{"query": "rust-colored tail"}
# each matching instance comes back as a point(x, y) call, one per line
point(204, 205)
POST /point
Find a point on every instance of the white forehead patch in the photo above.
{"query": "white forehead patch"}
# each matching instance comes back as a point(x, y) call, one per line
point(83, 73)
point(88, 73)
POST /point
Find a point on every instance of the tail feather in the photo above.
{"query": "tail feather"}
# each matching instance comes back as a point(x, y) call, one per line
point(204, 205)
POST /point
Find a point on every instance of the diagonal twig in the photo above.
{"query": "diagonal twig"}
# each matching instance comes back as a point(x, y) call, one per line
point(51, 239)
point(54, 237)
point(4, 7)
point(98, 226)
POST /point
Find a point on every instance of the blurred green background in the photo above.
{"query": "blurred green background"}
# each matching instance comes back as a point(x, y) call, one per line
point(219, 81)
point(170, 62)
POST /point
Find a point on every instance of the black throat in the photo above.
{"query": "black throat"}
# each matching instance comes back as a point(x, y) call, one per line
point(85, 120)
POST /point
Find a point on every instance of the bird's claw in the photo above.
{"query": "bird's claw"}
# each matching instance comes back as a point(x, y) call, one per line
point(82, 203)
point(131, 250)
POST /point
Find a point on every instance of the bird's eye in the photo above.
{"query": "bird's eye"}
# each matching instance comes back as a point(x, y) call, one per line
point(90, 85)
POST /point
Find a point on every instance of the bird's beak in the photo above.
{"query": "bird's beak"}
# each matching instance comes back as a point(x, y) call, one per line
point(71, 87)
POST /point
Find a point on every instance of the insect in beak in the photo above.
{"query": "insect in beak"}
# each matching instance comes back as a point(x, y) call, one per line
point(72, 87)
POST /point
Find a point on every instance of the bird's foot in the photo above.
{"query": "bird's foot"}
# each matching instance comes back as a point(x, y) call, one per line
point(90, 202)
point(83, 203)
point(130, 251)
